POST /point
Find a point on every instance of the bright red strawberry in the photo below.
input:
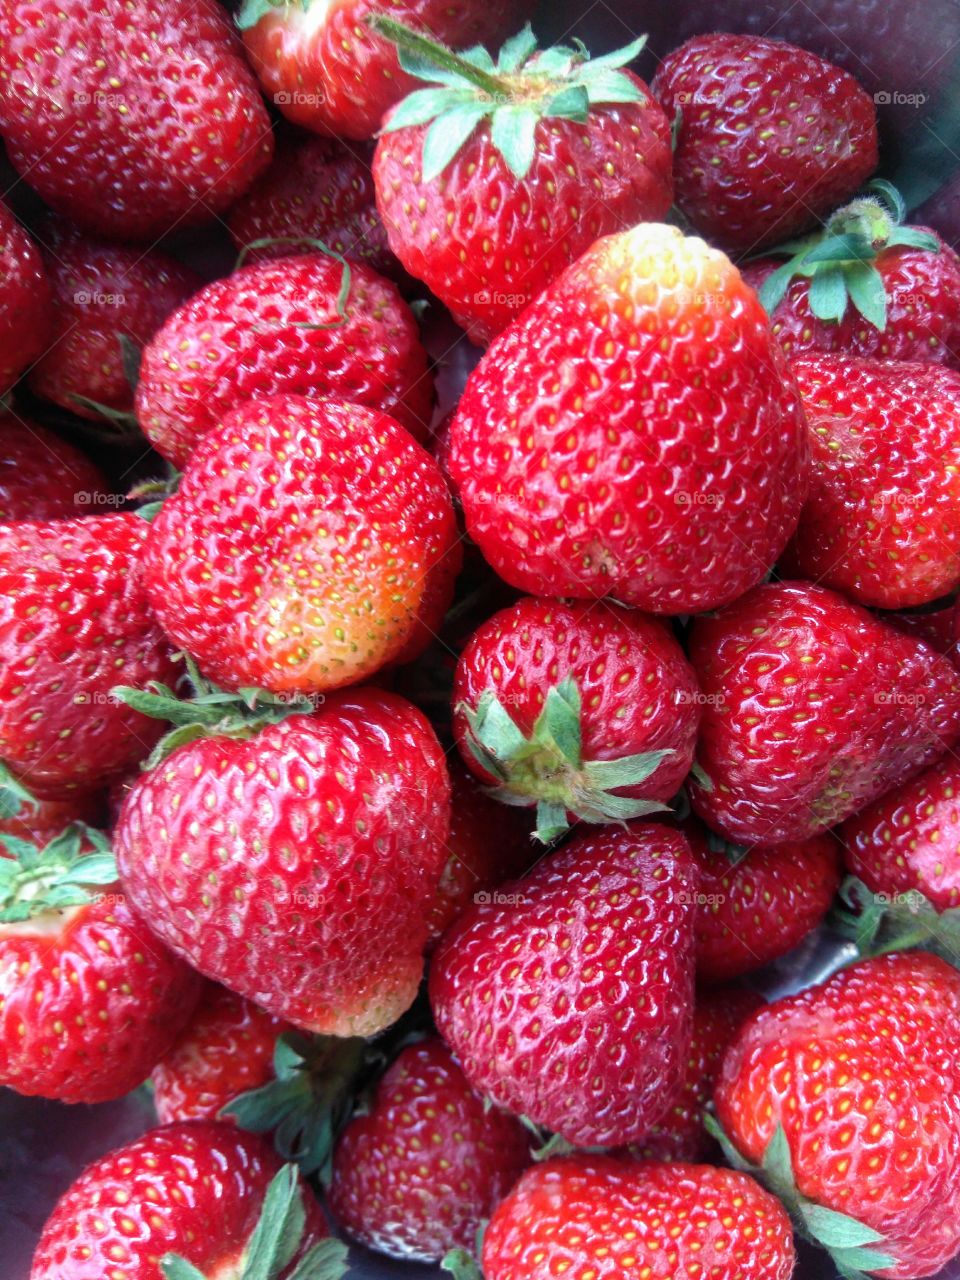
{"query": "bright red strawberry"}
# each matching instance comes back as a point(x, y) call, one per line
point(131, 117)
point(771, 138)
point(295, 862)
point(188, 1200)
point(852, 1091)
point(635, 433)
point(488, 216)
point(813, 708)
point(417, 1171)
point(74, 622)
point(26, 308)
point(309, 543)
point(282, 328)
point(325, 69)
point(43, 477)
point(569, 999)
point(585, 711)
point(595, 1218)
point(90, 1000)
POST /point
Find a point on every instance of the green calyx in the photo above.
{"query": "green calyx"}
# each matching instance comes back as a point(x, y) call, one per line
point(839, 261)
point(879, 923)
point(547, 767)
point(14, 796)
point(854, 1247)
point(734, 854)
point(275, 1240)
point(524, 86)
point(58, 876)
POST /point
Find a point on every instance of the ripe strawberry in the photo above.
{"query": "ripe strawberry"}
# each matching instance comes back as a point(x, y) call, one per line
point(635, 433)
point(131, 117)
point(935, 626)
point(850, 1093)
point(771, 137)
point(309, 543)
point(569, 999)
point(416, 1172)
point(595, 1218)
point(813, 708)
point(43, 477)
point(90, 1000)
point(882, 520)
point(183, 1201)
point(26, 309)
point(295, 862)
point(39, 821)
point(74, 621)
point(492, 184)
point(586, 712)
point(282, 327)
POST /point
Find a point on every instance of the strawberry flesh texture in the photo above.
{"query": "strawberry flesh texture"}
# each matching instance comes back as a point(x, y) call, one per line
point(43, 477)
point(26, 304)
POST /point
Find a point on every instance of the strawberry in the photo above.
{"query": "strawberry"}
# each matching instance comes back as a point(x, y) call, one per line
point(90, 1000)
point(569, 998)
point(39, 821)
point(185, 1201)
point(850, 1095)
point(882, 519)
point(586, 712)
point(108, 300)
point(492, 184)
point(812, 709)
point(310, 542)
point(131, 117)
point(935, 625)
point(26, 306)
point(74, 621)
point(294, 860)
point(577, 480)
point(325, 69)
point(305, 325)
point(43, 477)
point(416, 1172)
point(770, 137)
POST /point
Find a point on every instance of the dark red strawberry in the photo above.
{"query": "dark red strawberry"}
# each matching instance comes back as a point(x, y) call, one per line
point(39, 821)
point(813, 708)
point(131, 117)
point(585, 711)
point(301, 326)
point(770, 139)
point(935, 625)
point(43, 477)
point(26, 308)
point(416, 1172)
point(488, 203)
point(569, 998)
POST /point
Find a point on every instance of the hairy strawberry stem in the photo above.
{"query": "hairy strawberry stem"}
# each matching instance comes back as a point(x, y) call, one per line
point(431, 51)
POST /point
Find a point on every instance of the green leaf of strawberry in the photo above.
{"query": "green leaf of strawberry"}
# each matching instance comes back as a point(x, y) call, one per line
point(13, 794)
point(34, 880)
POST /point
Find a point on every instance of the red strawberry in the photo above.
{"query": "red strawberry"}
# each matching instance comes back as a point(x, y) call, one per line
point(39, 821)
point(74, 622)
point(187, 1200)
point(108, 302)
point(634, 433)
point(850, 1092)
point(90, 1000)
point(595, 1218)
point(295, 862)
point(771, 137)
point(812, 709)
point(325, 69)
point(569, 999)
point(488, 204)
point(43, 477)
point(415, 1173)
point(882, 520)
point(282, 327)
point(935, 626)
point(586, 711)
point(132, 117)
point(26, 308)
point(310, 542)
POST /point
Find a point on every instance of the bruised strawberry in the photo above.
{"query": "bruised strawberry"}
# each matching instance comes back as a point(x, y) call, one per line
point(26, 305)
point(43, 477)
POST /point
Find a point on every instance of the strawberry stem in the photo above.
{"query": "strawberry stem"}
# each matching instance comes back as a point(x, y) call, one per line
point(439, 55)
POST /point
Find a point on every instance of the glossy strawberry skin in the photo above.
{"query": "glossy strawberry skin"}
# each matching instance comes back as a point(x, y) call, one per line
point(751, 170)
point(577, 481)
point(416, 1173)
point(601, 1218)
point(74, 622)
point(156, 122)
point(26, 308)
point(43, 477)
point(486, 243)
point(333, 828)
point(569, 998)
point(861, 1072)
point(813, 709)
point(191, 1189)
point(309, 544)
point(248, 336)
point(882, 519)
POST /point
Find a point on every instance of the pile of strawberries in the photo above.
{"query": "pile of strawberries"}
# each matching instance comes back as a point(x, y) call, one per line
point(401, 786)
